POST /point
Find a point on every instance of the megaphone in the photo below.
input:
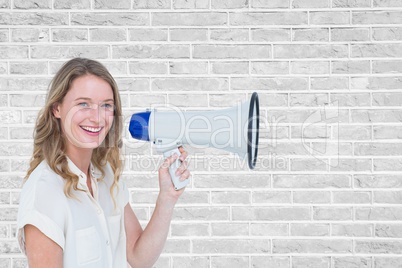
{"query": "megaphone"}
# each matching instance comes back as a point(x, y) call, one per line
point(233, 129)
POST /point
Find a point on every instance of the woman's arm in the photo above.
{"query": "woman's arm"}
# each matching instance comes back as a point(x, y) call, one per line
point(41, 250)
point(144, 247)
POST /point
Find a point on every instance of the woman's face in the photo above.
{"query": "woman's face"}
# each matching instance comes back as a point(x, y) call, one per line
point(86, 113)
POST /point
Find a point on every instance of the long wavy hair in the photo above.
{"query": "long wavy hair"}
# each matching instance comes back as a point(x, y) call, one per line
point(49, 140)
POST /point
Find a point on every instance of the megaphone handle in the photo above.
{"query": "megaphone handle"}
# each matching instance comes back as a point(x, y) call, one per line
point(178, 184)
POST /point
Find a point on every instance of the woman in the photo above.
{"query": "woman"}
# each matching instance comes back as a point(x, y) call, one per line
point(74, 211)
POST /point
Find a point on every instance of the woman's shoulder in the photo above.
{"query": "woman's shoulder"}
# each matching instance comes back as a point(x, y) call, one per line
point(43, 180)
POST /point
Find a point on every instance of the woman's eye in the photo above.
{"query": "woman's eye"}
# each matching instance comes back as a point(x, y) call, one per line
point(107, 106)
point(83, 104)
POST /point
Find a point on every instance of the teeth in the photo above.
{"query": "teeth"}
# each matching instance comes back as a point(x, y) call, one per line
point(92, 129)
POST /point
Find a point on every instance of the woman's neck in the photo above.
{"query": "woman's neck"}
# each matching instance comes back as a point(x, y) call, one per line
point(80, 157)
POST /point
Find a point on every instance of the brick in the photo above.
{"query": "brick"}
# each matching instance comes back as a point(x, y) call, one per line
point(177, 246)
point(310, 51)
point(387, 132)
point(188, 35)
point(150, 51)
point(270, 261)
point(32, 4)
point(283, 246)
point(352, 229)
point(271, 213)
point(280, 83)
point(378, 246)
point(150, 4)
point(376, 83)
point(107, 35)
point(350, 34)
point(230, 67)
point(270, 35)
point(231, 51)
point(270, 67)
point(387, 262)
point(387, 33)
point(189, 261)
point(310, 3)
point(13, 52)
point(271, 197)
point(309, 67)
point(269, 229)
point(4, 4)
point(72, 4)
point(351, 67)
point(10, 117)
point(119, 4)
point(387, 66)
point(148, 34)
point(70, 35)
point(229, 4)
point(191, 4)
point(29, 68)
point(310, 34)
point(362, 262)
point(34, 18)
point(329, 17)
point(229, 35)
point(377, 116)
point(351, 197)
point(311, 197)
point(378, 181)
point(195, 213)
point(65, 51)
point(230, 246)
point(109, 19)
point(387, 197)
point(351, 3)
point(4, 35)
point(311, 262)
point(376, 17)
point(190, 84)
point(329, 83)
point(148, 67)
point(230, 229)
point(188, 100)
point(351, 100)
point(268, 18)
point(270, 4)
point(308, 229)
point(378, 213)
point(347, 132)
point(229, 261)
point(387, 99)
point(189, 19)
point(375, 50)
point(332, 213)
point(387, 3)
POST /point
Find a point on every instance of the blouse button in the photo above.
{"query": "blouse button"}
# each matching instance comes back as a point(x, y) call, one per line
point(107, 242)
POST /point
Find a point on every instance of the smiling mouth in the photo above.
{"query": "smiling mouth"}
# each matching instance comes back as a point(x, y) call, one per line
point(92, 129)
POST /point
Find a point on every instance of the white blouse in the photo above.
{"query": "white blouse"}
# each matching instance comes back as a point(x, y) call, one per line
point(90, 230)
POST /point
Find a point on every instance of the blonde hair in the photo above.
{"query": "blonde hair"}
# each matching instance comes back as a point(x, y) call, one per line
point(49, 141)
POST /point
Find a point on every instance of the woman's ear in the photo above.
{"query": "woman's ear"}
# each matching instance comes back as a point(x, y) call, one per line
point(56, 110)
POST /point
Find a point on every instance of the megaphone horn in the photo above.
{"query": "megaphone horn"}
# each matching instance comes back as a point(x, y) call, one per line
point(233, 129)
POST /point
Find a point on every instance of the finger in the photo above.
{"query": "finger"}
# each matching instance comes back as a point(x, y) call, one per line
point(184, 154)
point(181, 168)
point(185, 175)
point(169, 161)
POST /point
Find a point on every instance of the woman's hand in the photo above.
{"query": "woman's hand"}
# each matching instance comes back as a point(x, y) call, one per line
point(167, 191)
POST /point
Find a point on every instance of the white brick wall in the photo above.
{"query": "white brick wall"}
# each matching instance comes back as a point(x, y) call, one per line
point(327, 189)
